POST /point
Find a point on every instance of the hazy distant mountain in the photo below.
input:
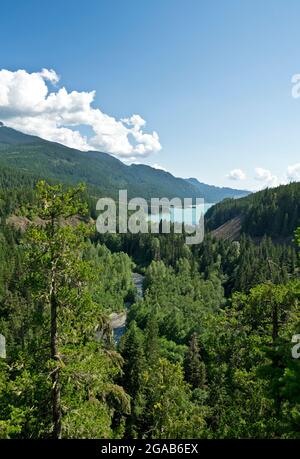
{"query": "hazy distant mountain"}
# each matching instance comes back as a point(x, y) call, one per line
point(214, 193)
point(104, 174)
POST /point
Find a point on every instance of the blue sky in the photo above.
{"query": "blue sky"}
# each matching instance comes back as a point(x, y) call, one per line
point(213, 79)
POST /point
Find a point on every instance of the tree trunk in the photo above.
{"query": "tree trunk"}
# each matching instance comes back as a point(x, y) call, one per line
point(56, 405)
point(275, 323)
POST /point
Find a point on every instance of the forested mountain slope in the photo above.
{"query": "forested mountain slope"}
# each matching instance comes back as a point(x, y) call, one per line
point(104, 174)
point(274, 212)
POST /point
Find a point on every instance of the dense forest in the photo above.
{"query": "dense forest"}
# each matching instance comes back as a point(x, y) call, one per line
point(207, 351)
point(274, 212)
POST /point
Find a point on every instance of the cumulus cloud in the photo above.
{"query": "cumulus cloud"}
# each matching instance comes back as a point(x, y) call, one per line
point(266, 176)
point(27, 104)
point(293, 173)
point(49, 75)
point(236, 174)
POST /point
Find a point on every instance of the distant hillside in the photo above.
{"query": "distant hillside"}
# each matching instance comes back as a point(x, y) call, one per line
point(104, 174)
point(10, 136)
point(215, 193)
point(274, 212)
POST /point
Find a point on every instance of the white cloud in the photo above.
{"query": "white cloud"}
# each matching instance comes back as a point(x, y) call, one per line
point(293, 173)
point(49, 75)
point(159, 167)
point(236, 174)
point(135, 121)
point(266, 176)
point(27, 104)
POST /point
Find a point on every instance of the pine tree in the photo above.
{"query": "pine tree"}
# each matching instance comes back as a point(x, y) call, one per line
point(134, 366)
point(52, 247)
point(59, 282)
point(195, 371)
point(151, 340)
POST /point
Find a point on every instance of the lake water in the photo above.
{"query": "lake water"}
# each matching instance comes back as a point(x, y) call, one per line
point(189, 216)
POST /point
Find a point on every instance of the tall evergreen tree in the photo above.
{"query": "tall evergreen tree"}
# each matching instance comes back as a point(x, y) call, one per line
point(195, 371)
point(134, 366)
point(151, 339)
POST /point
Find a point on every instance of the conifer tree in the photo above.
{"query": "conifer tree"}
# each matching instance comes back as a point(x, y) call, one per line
point(59, 281)
point(195, 371)
point(134, 366)
point(151, 339)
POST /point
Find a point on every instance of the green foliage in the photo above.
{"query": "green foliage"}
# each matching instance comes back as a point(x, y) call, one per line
point(207, 349)
point(132, 350)
point(274, 212)
point(50, 320)
point(169, 411)
point(195, 371)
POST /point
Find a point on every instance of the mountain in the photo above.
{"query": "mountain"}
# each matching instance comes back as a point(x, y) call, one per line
point(103, 173)
point(274, 212)
point(12, 137)
point(215, 193)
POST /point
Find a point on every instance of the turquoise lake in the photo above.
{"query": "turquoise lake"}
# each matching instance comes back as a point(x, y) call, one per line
point(188, 216)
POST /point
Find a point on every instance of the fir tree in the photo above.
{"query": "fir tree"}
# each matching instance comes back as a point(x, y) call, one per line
point(195, 371)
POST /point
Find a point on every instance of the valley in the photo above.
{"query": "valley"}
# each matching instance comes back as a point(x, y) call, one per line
point(202, 334)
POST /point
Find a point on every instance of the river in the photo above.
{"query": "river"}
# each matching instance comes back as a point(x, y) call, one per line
point(118, 320)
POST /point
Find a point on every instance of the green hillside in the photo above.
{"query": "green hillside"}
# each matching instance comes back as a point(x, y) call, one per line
point(104, 174)
point(274, 212)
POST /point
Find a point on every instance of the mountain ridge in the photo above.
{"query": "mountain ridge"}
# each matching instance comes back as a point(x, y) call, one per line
point(215, 192)
point(102, 172)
